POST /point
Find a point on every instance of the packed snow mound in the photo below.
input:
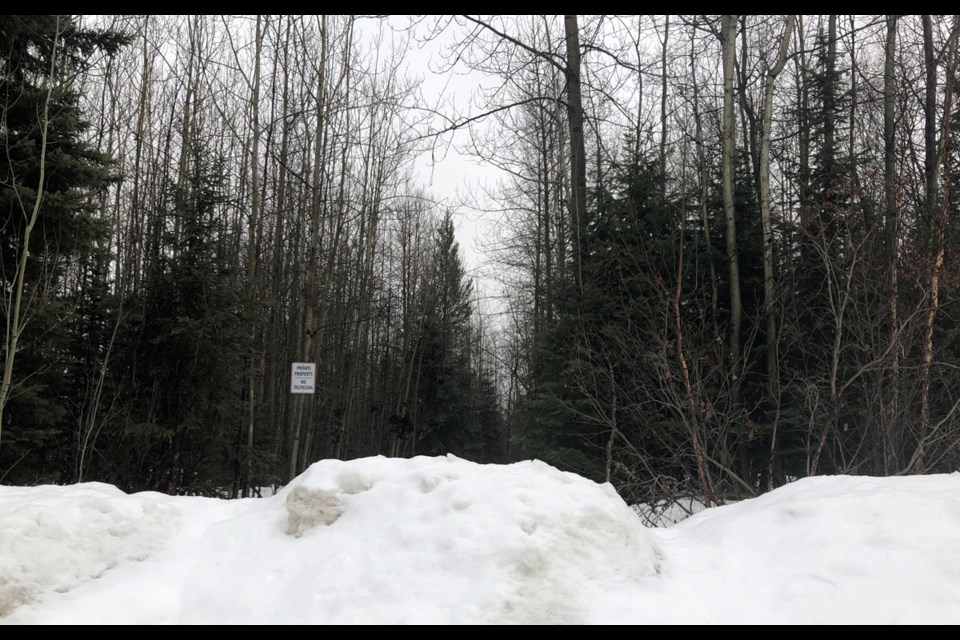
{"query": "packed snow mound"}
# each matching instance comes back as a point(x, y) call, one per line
point(823, 550)
point(425, 540)
point(442, 540)
point(54, 538)
point(446, 540)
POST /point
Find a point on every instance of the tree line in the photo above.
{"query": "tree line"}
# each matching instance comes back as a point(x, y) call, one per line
point(190, 205)
point(725, 245)
point(730, 244)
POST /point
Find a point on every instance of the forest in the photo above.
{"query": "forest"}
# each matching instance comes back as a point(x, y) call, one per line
point(723, 247)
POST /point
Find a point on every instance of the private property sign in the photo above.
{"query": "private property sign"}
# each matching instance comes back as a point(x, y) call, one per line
point(303, 377)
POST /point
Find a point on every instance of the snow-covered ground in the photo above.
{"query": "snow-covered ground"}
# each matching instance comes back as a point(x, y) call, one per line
point(443, 540)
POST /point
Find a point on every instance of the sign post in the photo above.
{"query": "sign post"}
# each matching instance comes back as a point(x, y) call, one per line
point(303, 377)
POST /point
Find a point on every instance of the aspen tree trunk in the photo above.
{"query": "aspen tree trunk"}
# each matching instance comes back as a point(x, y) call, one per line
point(930, 164)
point(748, 117)
point(130, 272)
point(303, 411)
point(578, 154)
point(920, 456)
point(803, 120)
point(638, 128)
point(892, 215)
point(186, 125)
point(852, 142)
point(704, 187)
point(338, 223)
point(830, 99)
point(769, 289)
point(252, 254)
point(689, 403)
point(729, 38)
point(547, 247)
point(663, 106)
point(277, 402)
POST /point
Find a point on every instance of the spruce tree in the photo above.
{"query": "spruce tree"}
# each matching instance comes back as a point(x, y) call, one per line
point(447, 419)
point(185, 362)
point(48, 173)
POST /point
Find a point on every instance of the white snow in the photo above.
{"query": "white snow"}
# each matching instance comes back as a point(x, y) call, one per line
point(55, 538)
point(443, 540)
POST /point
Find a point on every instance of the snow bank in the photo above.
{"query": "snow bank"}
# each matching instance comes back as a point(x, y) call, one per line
point(446, 540)
point(427, 540)
point(55, 538)
point(854, 550)
point(442, 540)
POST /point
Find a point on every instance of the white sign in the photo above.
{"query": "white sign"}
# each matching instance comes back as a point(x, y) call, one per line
point(303, 377)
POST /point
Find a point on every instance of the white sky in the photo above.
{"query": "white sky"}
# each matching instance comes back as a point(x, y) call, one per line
point(456, 180)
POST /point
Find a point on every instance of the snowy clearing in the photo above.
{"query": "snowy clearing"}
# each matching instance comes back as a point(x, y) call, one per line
point(443, 540)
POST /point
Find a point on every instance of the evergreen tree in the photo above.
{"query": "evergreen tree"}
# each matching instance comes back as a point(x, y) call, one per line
point(48, 173)
point(447, 418)
point(187, 358)
point(594, 349)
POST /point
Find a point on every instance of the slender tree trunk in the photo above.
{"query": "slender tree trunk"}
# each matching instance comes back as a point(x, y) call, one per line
point(729, 39)
point(930, 164)
point(704, 187)
point(578, 154)
point(690, 404)
point(308, 327)
point(638, 126)
point(748, 117)
point(277, 402)
point(803, 119)
point(339, 222)
point(547, 245)
point(608, 475)
point(252, 256)
point(892, 215)
point(830, 100)
point(186, 123)
point(769, 289)
point(130, 272)
point(852, 142)
point(663, 107)
point(939, 248)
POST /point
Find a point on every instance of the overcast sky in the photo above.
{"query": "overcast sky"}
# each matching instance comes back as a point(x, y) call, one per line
point(457, 180)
